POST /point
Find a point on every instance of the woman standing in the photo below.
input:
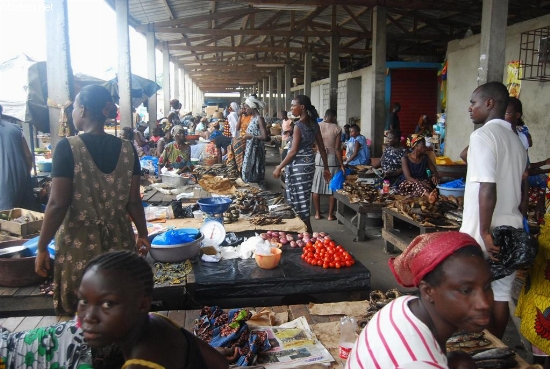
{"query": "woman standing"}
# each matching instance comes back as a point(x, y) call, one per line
point(415, 180)
point(357, 150)
point(253, 169)
point(300, 158)
point(177, 154)
point(331, 133)
point(95, 186)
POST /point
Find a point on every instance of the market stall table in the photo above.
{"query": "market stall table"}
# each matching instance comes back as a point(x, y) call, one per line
point(346, 212)
point(295, 225)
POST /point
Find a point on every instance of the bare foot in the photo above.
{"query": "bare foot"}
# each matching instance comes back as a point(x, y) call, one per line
point(318, 216)
point(331, 217)
point(432, 197)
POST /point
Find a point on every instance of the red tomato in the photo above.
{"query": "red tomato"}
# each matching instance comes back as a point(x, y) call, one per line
point(319, 262)
point(325, 266)
point(348, 263)
point(309, 244)
point(326, 241)
point(332, 243)
point(337, 265)
point(331, 264)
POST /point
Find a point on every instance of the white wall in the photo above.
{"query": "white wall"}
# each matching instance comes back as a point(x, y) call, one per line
point(463, 62)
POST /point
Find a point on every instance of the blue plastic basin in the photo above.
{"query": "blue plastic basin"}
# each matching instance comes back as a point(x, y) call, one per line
point(214, 205)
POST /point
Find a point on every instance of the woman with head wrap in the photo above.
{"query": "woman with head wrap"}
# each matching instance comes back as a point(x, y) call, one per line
point(300, 160)
point(95, 186)
point(253, 167)
point(140, 142)
point(177, 155)
point(415, 180)
point(454, 284)
point(163, 141)
point(233, 119)
point(424, 127)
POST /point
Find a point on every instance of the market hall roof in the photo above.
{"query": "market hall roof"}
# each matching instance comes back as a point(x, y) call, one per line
point(224, 44)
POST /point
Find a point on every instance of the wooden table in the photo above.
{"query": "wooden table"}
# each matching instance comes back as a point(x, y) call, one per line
point(346, 212)
point(399, 230)
point(295, 225)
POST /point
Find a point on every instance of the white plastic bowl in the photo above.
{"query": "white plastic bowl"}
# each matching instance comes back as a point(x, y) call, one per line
point(198, 214)
point(447, 191)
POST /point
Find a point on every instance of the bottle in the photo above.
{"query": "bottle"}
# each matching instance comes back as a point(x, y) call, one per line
point(347, 336)
point(386, 186)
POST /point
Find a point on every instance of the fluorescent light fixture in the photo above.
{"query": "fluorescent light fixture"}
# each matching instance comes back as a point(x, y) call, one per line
point(285, 7)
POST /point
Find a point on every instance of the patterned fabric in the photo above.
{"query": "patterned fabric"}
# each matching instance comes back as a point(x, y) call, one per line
point(319, 185)
point(418, 172)
point(253, 169)
point(534, 301)
point(57, 346)
point(391, 159)
point(175, 156)
point(245, 121)
point(97, 220)
point(238, 147)
point(299, 173)
point(141, 150)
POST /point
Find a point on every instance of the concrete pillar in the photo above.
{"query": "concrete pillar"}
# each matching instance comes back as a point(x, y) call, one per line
point(334, 70)
point(378, 86)
point(280, 104)
point(59, 68)
point(493, 41)
point(181, 91)
point(264, 90)
point(270, 97)
point(307, 74)
point(176, 93)
point(152, 75)
point(288, 85)
point(166, 77)
point(124, 76)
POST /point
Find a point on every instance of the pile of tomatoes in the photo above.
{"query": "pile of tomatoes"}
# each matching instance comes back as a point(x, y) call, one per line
point(327, 254)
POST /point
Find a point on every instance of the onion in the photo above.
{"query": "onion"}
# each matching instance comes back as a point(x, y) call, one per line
point(282, 234)
point(300, 243)
point(313, 239)
point(263, 236)
point(300, 236)
point(306, 234)
point(293, 244)
point(306, 239)
point(315, 234)
point(289, 237)
point(284, 241)
point(322, 234)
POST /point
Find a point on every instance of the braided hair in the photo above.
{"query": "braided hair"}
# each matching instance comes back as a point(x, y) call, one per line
point(310, 109)
point(127, 262)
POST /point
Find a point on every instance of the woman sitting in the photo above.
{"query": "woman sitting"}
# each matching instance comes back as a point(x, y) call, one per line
point(163, 141)
point(424, 127)
point(357, 150)
point(391, 157)
point(177, 155)
point(415, 180)
point(140, 142)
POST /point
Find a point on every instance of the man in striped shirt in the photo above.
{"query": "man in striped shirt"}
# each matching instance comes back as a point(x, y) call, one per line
point(454, 283)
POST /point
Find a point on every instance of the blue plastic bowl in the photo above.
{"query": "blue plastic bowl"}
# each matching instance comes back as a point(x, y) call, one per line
point(214, 205)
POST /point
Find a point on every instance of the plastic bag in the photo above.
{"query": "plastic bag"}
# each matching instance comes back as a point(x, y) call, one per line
point(174, 237)
point(150, 163)
point(517, 250)
point(337, 182)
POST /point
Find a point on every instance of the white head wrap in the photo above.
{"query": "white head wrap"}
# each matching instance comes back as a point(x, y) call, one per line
point(235, 107)
point(254, 103)
point(177, 129)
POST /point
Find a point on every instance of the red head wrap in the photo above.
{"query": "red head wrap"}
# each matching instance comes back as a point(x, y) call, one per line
point(425, 253)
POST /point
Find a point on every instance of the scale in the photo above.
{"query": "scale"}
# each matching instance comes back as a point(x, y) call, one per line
point(213, 232)
point(213, 229)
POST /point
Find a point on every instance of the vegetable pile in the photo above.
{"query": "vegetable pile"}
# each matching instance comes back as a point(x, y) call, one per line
point(321, 250)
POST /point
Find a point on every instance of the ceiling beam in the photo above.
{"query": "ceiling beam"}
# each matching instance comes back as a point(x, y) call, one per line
point(410, 4)
point(262, 49)
point(260, 32)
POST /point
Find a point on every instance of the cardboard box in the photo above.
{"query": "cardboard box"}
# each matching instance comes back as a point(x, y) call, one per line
point(210, 110)
point(32, 225)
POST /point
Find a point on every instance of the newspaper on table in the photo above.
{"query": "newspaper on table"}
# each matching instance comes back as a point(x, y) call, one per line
point(293, 344)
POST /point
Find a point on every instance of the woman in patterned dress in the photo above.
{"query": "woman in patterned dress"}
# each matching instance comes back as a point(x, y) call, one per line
point(301, 160)
point(95, 193)
point(177, 155)
point(253, 169)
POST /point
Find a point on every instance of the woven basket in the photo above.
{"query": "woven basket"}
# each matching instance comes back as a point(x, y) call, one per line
point(275, 131)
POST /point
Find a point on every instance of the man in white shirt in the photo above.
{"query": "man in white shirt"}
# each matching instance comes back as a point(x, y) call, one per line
point(233, 119)
point(496, 162)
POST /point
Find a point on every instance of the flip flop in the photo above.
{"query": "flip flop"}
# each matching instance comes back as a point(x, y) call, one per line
point(331, 217)
point(320, 217)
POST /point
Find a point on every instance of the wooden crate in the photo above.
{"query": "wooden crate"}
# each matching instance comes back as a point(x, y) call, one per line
point(22, 229)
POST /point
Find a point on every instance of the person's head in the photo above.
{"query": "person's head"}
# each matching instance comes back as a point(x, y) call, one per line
point(175, 104)
point(204, 121)
point(92, 106)
point(423, 121)
point(114, 298)
point(234, 107)
point(346, 128)
point(216, 125)
point(417, 143)
point(397, 107)
point(354, 130)
point(127, 133)
point(452, 276)
point(157, 132)
point(178, 133)
point(284, 115)
point(488, 101)
point(514, 112)
point(301, 105)
point(197, 119)
point(243, 109)
point(253, 105)
point(142, 126)
point(330, 116)
point(394, 138)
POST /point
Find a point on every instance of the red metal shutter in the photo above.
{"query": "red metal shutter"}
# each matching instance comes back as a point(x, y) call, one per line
point(416, 90)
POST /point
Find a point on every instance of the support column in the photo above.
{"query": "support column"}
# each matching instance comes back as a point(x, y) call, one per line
point(378, 84)
point(264, 89)
point(493, 41)
point(181, 92)
point(124, 76)
point(288, 86)
point(176, 94)
point(59, 64)
point(270, 97)
point(152, 75)
point(307, 74)
point(166, 77)
point(280, 104)
point(334, 69)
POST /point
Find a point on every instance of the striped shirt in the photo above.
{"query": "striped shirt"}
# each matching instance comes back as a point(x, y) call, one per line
point(396, 338)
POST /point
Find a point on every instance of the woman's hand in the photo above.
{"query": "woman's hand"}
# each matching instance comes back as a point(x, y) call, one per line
point(327, 175)
point(42, 263)
point(142, 245)
point(435, 179)
point(277, 173)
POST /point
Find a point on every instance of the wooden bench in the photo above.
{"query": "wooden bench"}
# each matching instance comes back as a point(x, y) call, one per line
point(354, 216)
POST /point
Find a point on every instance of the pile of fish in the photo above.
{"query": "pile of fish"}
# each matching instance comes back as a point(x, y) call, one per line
point(494, 357)
point(377, 300)
point(229, 171)
point(362, 192)
point(252, 202)
point(283, 211)
point(446, 212)
point(263, 220)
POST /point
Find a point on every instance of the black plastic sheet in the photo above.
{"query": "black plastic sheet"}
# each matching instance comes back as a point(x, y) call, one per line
point(517, 250)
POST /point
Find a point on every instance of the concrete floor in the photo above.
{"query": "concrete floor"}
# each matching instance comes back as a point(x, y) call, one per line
point(370, 252)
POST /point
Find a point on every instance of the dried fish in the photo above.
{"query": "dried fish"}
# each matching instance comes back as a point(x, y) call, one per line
point(463, 337)
point(494, 353)
point(469, 344)
point(497, 363)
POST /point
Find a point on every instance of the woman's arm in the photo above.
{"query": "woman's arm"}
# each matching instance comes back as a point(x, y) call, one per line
point(58, 204)
point(433, 169)
point(296, 138)
point(464, 154)
point(135, 209)
point(213, 358)
point(160, 147)
point(141, 141)
point(323, 152)
point(356, 148)
point(338, 150)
